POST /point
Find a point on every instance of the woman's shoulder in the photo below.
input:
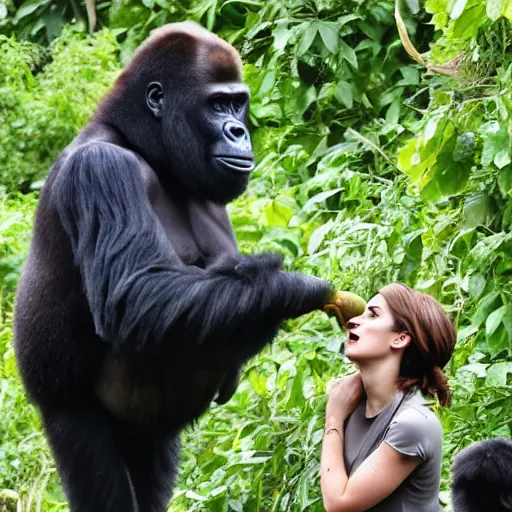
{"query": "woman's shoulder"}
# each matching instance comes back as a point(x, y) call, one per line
point(415, 430)
point(416, 409)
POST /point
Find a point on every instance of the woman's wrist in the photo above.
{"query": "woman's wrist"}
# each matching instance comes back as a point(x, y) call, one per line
point(334, 422)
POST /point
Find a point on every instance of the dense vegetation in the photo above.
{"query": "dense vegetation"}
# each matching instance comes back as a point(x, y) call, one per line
point(372, 168)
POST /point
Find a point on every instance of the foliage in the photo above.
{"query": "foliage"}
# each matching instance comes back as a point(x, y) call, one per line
point(46, 96)
point(371, 169)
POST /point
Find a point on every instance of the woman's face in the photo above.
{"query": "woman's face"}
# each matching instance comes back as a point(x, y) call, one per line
point(370, 334)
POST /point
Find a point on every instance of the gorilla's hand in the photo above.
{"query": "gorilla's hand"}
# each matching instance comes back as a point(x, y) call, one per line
point(344, 306)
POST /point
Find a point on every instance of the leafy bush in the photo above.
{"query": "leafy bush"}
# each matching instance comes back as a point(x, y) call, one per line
point(46, 97)
point(371, 169)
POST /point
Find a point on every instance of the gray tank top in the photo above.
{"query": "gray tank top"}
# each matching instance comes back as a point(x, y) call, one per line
point(411, 428)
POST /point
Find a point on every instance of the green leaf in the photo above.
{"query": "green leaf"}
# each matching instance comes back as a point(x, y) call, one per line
point(505, 181)
point(484, 307)
point(496, 141)
point(267, 84)
point(447, 177)
point(210, 17)
point(29, 7)
point(348, 54)
point(502, 158)
point(409, 159)
point(458, 8)
point(322, 196)
point(272, 110)
point(466, 332)
point(393, 112)
point(507, 9)
point(329, 34)
point(464, 147)
point(507, 322)
point(343, 20)
point(430, 129)
point(258, 382)
point(343, 93)
point(469, 22)
point(414, 6)
point(281, 36)
point(476, 284)
point(493, 320)
point(411, 76)
point(477, 211)
point(236, 505)
point(414, 246)
point(497, 374)
point(305, 97)
point(494, 8)
point(498, 342)
point(318, 236)
point(307, 38)
point(280, 210)
point(479, 369)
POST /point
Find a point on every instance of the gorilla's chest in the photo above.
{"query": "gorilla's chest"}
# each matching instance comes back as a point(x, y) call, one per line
point(145, 392)
point(199, 233)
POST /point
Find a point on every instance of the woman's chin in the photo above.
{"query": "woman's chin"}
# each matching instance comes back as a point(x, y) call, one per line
point(350, 350)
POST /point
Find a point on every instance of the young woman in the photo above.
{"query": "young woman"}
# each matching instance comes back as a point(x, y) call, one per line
point(382, 445)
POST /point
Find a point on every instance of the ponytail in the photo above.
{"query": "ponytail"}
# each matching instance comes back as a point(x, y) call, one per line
point(432, 341)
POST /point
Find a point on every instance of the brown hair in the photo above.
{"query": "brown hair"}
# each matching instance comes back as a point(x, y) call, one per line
point(433, 339)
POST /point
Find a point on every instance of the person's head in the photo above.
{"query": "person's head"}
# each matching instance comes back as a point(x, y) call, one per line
point(410, 328)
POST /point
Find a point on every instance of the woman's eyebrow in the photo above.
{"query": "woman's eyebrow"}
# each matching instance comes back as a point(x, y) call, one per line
point(374, 307)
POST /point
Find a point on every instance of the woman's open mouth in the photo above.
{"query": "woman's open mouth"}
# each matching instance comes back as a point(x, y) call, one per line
point(352, 338)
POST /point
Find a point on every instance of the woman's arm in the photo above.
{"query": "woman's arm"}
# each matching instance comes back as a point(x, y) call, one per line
point(377, 477)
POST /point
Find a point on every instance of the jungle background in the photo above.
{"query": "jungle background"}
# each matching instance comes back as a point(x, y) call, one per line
point(372, 168)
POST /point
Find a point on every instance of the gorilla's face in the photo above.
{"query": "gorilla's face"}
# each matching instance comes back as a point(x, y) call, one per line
point(206, 137)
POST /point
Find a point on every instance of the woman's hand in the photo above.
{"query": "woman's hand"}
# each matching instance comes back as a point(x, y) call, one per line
point(343, 396)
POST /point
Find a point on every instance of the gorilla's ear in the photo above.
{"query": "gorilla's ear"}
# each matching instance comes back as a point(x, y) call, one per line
point(155, 98)
point(506, 500)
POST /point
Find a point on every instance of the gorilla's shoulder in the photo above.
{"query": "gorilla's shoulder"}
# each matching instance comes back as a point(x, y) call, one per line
point(97, 158)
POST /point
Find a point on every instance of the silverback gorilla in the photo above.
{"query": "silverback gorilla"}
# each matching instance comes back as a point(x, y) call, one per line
point(482, 477)
point(135, 309)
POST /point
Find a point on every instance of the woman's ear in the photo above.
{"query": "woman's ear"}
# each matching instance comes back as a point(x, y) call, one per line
point(402, 340)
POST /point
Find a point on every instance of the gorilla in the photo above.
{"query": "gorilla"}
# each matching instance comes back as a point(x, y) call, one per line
point(135, 309)
point(482, 477)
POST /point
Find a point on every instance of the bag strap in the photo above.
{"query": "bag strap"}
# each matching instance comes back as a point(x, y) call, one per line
point(379, 438)
point(385, 430)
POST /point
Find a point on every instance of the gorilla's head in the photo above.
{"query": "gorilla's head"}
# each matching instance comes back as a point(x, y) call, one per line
point(482, 477)
point(182, 105)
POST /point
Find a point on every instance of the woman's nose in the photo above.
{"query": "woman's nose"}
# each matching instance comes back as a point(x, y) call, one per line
point(353, 323)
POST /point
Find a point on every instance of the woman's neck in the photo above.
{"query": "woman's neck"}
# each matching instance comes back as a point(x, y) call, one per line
point(379, 381)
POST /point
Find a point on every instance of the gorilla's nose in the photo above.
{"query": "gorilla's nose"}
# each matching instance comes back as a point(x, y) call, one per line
point(236, 132)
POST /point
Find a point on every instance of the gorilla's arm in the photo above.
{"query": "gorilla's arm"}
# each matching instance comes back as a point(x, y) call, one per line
point(139, 292)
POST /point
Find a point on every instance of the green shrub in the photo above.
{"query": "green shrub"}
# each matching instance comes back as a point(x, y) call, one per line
point(47, 97)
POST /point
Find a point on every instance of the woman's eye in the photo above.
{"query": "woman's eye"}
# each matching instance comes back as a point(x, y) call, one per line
point(372, 314)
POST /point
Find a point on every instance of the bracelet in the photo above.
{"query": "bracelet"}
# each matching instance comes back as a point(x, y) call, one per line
point(333, 429)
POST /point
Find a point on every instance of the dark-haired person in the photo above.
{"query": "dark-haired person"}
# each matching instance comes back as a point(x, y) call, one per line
point(382, 444)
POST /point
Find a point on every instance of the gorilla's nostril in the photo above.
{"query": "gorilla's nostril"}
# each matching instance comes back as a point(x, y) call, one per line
point(235, 132)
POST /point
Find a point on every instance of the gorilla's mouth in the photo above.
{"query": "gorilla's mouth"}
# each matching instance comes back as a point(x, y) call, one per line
point(238, 164)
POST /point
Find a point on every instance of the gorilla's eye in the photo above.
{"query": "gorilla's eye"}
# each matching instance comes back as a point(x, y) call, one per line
point(220, 103)
point(237, 107)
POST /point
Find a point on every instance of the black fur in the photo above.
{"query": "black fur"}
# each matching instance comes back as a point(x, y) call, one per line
point(482, 477)
point(135, 309)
